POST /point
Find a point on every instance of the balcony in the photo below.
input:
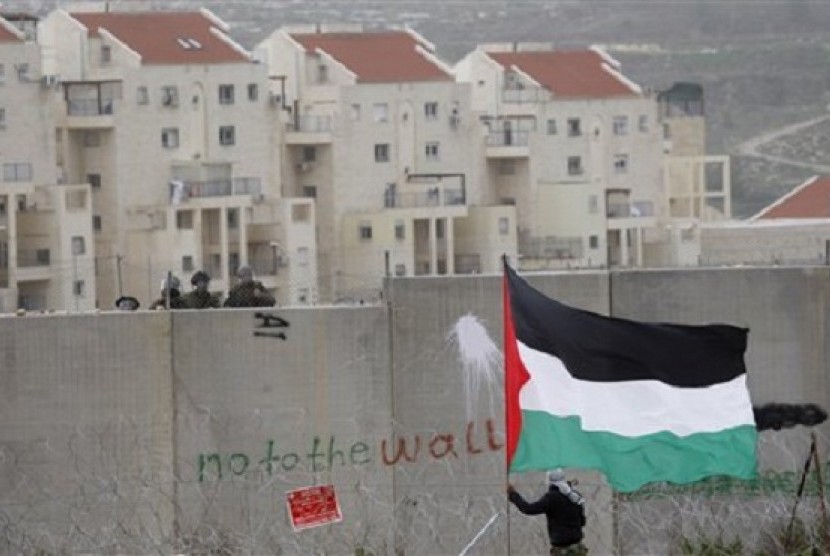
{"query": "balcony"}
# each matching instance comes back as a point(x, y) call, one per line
point(33, 264)
point(182, 191)
point(309, 130)
point(507, 143)
point(89, 113)
point(432, 197)
point(634, 214)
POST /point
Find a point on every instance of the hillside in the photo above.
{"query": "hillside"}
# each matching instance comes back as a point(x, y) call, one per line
point(763, 64)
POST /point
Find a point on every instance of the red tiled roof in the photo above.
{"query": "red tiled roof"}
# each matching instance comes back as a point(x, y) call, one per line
point(575, 74)
point(155, 36)
point(382, 57)
point(7, 36)
point(811, 199)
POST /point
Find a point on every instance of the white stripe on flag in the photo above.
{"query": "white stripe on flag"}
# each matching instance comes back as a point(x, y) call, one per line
point(632, 408)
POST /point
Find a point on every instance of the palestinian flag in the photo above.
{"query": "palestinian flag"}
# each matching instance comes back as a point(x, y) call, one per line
point(640, 402)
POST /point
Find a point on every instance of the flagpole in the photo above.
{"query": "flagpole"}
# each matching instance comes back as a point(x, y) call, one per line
point(506, 413)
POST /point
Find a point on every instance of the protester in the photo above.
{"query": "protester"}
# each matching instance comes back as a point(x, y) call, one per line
point(127, 303)
point(248, 292)
point(200, 297)
point(565, 512)
point(176, 300)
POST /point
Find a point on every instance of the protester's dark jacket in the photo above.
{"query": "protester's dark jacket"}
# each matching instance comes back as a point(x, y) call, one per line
point(249, 294)
point(176, 301)
point(198, 299)
point(565, 519)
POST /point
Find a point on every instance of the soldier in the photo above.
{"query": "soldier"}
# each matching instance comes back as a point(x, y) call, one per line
point(176, 300)
point(200, 297)
point(127, 303)
point(248, 292)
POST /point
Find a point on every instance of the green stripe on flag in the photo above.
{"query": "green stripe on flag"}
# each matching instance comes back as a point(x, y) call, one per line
point(549, 441)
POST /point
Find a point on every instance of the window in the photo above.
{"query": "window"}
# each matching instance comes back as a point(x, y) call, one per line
point(380, 112)
point(2, 118)
point(355, 112)
point(2, 74)
point(666, 131)
point(79, 288)
point(233, 219)
point(184, 220)
point(574, 166)
point(22, 71)
point(309, 154)
point(574, 127)
point(642, 123)
point(365, 231)
point(440, 228)
point(17, 171)
point(106, 54)
point(170, 95)
point(301, 212)
point(78, 245)
point(170, 137)
point(593, 242)
point(94, 180)
point(504, 226)
point(620, 125)
point(253, 92)
point(322, 73)
point(400, 270)
point(302, 256)
point(310, 191)
point(227, 135)
point(431, 110)
point(382, 152)
point(142, 96)
point(551, 127)
point(225, 94)
point(431, 151)
point(400, 230)
point(187, 263)
point(620, 163)
point(507, 167)
point(96, 222)
point(233, 262)
point(593, 204)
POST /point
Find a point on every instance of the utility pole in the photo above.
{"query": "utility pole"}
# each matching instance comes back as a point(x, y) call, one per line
point(118, 258)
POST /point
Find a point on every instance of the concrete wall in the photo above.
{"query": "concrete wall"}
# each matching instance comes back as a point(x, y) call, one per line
point(159, 432)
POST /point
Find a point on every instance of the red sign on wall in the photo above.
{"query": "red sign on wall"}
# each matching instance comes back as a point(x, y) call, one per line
point(313, 506)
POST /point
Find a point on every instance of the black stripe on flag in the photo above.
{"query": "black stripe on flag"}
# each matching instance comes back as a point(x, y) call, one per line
point(607, 349)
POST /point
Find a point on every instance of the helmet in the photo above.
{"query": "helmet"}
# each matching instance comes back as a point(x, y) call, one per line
point(245, 273)
point(199, 276)
point(174, 284)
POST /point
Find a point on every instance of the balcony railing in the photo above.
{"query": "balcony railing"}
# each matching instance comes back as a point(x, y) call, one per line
point(311, 124)
point(181, 190)
point(434, 197)
point(90, 107)
point(33, 257)
point(522, 96)
point(508, 138)
point(630, 210)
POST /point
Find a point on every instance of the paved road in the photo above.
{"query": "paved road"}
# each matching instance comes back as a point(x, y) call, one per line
point(750, 148)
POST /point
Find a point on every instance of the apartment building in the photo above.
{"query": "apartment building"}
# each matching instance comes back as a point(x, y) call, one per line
point(381, 135)
point(698, 185)
point(47, 256)
point(575, 145)
point(170, 122)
